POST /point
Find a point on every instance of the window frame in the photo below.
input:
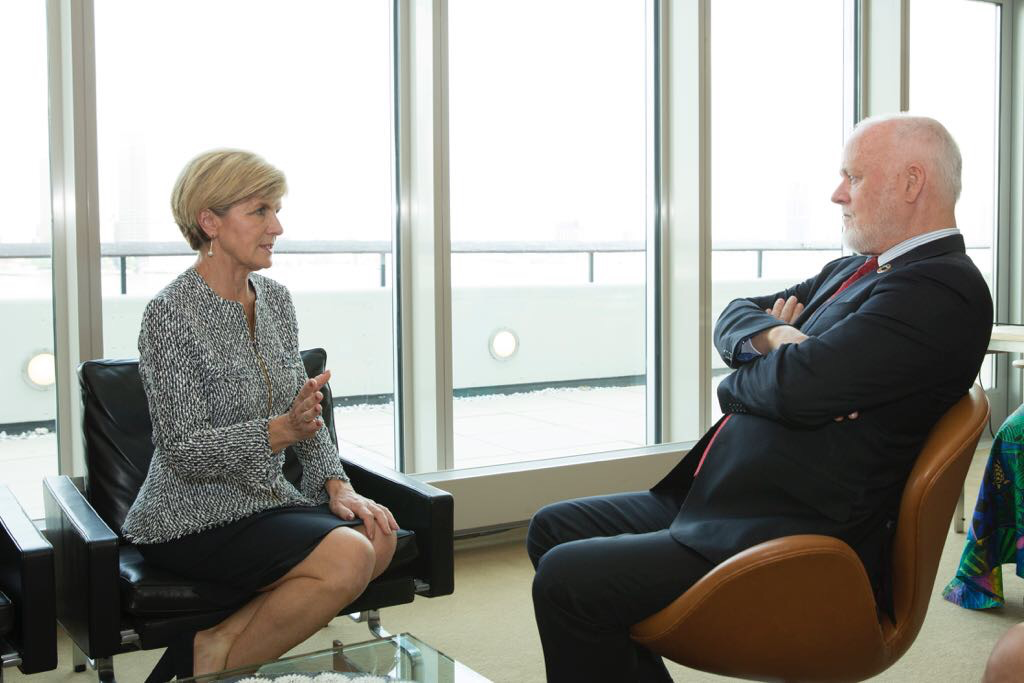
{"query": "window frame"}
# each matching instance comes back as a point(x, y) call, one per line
point(679, 245)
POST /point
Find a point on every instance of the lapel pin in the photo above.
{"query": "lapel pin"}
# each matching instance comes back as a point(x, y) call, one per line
point(883, 269)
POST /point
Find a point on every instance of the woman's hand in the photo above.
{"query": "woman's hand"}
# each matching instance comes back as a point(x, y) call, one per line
point(347, 504)
point(303, 419)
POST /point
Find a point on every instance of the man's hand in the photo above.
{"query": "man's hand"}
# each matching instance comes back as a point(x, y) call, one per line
point(787, 311)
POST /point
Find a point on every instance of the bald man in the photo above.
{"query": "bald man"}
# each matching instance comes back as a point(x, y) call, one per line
point(837, 382)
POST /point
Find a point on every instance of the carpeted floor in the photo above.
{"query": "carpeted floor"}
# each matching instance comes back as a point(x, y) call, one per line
point(488, 623)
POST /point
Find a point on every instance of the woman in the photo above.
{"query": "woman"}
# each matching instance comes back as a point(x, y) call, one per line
point(996, 533)
point(227, 394)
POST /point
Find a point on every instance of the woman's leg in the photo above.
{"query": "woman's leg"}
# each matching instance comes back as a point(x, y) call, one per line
point(383, 550)
point(211, 646)
point(293, 607)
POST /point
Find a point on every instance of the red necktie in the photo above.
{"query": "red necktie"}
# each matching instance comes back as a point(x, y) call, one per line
point(865, 268)
point(710, 443)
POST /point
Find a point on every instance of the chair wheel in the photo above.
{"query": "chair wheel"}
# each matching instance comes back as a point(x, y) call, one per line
point(80, 668)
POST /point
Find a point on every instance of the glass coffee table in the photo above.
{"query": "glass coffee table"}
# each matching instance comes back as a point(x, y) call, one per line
point(400, 657)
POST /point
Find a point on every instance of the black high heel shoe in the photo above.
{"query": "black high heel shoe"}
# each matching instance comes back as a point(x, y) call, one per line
point(176, 661)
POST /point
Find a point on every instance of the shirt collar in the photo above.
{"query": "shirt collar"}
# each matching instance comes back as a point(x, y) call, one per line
point(914, 242)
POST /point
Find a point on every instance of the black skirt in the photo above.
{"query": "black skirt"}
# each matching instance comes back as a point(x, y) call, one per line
point(231, 563)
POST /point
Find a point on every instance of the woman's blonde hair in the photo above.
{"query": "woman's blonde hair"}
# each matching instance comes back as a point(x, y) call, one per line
point(217, 180)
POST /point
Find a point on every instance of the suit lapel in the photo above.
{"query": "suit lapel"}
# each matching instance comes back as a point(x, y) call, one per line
point(823, 297)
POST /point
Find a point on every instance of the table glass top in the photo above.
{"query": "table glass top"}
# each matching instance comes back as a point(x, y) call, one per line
point(397, 658)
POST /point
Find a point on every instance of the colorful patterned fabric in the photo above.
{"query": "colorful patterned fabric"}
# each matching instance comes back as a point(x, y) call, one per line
point(996, 536)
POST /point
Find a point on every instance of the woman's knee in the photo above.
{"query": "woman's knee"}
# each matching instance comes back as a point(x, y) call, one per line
point(348, 556)
point(384, 546)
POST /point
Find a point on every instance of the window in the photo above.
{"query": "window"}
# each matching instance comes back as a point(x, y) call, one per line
point(778, 128)
point(972, 116)
point(308, 87)
point(28, 442)
point(547, 128)
point(542, 159)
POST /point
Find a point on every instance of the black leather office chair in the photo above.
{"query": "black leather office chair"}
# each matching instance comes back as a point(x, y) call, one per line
point(110, 601)
point(28, 627)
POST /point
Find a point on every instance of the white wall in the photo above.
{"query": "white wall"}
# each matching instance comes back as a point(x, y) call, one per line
point(566, 332)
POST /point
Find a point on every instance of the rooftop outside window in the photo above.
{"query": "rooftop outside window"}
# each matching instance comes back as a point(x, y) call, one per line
point(28, 443)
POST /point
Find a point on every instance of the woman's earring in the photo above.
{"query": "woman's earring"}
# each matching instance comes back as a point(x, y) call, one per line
point(209, 252)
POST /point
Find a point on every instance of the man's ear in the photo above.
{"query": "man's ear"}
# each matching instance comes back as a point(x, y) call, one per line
point(915, 182)
point(208, 222)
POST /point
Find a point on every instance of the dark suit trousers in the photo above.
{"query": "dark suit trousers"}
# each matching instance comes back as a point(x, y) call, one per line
point(603, 564)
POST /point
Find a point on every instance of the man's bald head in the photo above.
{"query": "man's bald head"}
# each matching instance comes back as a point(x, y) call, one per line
point(900, 178)
point(921, 139)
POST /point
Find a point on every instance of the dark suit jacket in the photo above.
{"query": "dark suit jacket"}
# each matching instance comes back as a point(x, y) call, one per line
point(900, 346)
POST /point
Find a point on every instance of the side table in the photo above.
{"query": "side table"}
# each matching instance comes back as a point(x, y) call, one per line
point(401, 657)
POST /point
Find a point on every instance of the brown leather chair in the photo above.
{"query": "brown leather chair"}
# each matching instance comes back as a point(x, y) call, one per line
point(801, 608)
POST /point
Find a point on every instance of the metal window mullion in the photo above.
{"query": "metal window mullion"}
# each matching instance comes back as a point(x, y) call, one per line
point(884, 57)
point(1001, 393)
point(684, 217)
point(705, 346)
point(655, 256)
point(853, 73)
point(853, 57)
point(1011, 118)
point(400, 177)
point(904, 55)
point(851, 65)
point(78, 328)
point(423, 245)
point(1010, 269)
point(442, 241)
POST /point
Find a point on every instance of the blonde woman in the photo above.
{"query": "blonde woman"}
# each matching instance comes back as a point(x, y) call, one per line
point(227, 394)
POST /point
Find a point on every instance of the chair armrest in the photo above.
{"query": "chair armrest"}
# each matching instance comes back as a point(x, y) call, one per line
point(85, 557)
point(26, 576)
point(419, 507)
point(808, 593)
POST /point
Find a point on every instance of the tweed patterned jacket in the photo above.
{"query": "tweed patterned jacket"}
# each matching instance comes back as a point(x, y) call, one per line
point(212, 390)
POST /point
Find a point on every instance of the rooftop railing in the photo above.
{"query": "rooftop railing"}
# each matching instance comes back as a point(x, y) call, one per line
point(122, 251)
point(125, 250)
